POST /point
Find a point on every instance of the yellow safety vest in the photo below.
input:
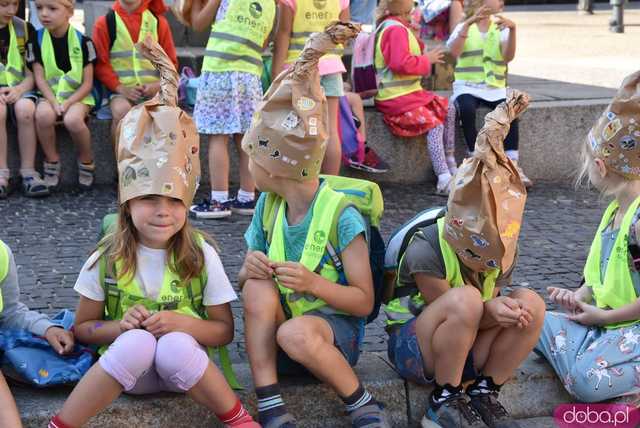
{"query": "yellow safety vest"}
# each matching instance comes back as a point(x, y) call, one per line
point(325, 209)
point(481, 60)
point(4, 269)
point(131, 67)
point(402, 309)
point(64, 84)
point(236, 42)
point(12, 73)
point(617, 289)
point(312, 16)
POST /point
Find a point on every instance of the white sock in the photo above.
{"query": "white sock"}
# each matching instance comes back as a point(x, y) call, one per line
point(28, 172)
point(512, 154)
point(444, 178)
point(220, 195)
point(244, 196)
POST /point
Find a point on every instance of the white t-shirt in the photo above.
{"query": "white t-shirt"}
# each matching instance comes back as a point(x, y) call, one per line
point(150, 272)
point(479, 90)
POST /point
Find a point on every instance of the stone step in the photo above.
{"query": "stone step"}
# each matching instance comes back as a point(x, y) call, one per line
point(531, 396)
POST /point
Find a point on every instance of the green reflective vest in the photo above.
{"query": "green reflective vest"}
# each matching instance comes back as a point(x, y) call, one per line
point(481, 60)
point(4, 269)
point(12, 73)
point(131, 67)
point(312, 16)
point(327, 208)
point(409, 305)
point(236, 42)
point(390, 84)
point(123, 293)
point(64, 84)
point(616, 290)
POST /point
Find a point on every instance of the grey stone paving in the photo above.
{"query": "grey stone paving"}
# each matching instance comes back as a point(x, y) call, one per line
point(51, 239)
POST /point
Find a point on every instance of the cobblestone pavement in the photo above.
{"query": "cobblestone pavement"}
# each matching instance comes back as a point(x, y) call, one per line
point(51, 239)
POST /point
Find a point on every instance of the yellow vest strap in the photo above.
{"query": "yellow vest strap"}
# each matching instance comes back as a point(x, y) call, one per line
point(233, 57)
point(233, 38)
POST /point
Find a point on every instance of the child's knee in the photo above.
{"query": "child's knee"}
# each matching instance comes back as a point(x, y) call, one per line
point(259, 296)
point(464, 304)
point(129, 357)
point(25, 111)
point(534, 303)
point(298, 339)
point(583, 385)
point(180, 360)
point(119, 109)
point(74, 121)
point(45, 116)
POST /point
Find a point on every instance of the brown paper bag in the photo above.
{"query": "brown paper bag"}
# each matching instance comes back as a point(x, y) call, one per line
point(487, 198)
point(289, 132)
point(158, 146)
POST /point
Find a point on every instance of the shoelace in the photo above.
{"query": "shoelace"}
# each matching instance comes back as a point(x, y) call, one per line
point(468, 412)
point(493, 405)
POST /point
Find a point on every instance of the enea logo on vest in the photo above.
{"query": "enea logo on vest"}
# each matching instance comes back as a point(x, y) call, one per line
point(255, 10)
point(319, 4)
point(316, 247)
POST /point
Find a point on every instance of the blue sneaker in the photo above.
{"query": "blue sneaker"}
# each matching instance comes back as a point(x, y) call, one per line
point(211, 209)
point(243, 208)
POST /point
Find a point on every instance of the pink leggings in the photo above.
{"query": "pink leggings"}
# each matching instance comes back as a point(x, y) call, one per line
point(143, 364)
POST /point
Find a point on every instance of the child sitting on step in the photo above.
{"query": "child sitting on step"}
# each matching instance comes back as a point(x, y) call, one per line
point(301, 315)
point(15, 315)
point(409, 110)
point(129, 78)
point(17, 101)
point(154, 295)
point(594, 346)
point(449, 320)
point(62, 60)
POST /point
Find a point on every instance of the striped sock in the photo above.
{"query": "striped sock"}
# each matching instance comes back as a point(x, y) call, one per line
point(236, 416)
point(361, 397)
point(270, 403)
point(56, 422)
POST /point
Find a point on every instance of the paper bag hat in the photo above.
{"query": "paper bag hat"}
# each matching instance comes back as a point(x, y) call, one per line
point(289, 131)
point(158, 146)
point(615, 138)
point(487, 198)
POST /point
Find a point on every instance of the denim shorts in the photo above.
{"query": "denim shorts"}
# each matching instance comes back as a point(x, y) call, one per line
point(348, 332)
point(404, 353)
point(332, 85)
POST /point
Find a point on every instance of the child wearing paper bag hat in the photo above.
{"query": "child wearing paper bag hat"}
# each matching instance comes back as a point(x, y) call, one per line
point(449, 322)
point(301, 315)
point(154, 296)
point(594, 347)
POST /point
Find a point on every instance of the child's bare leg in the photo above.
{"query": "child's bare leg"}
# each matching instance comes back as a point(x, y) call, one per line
point(9, 416)
point(45, 127)
point(309, 341)
point(25, 112)
point(3, 137)
point(246, 179)
point(332, 157)
point(74, 121)
point(355, 102)
point(119, 106)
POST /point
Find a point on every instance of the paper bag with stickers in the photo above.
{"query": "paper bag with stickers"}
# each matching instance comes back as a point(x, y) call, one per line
point(158, 146)
point(487, 198)
point(289, 131)
point(615, 138)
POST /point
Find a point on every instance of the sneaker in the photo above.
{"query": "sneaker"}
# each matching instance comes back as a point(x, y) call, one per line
point(442, 188)
point(51, 174)
point(243, 208)
point(4, 183)
point(492, 412)
point(33, 186)
point(283, 421)
point(211, 209)
point(371, 415)
point(455, 412)
point(371, 163)
point(525, 180)
point(86, 175)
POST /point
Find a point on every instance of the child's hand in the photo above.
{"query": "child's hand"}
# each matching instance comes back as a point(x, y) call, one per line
point(131, 93)
point(60, 339)
point(59, 109)
point(587, 314)
point(294, 275)
point(65, 106)
point(436, 55)
point(482, 13)
point(505, 311)
point(563, 297)
point(162, 322)
point(11, 94)
point(150, 89)
point(257, 265)
point(134, 317)
point(503, 23)
point(526, 316)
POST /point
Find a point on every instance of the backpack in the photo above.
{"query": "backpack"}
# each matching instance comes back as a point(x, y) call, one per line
point(366, 197)
point(398, 243)
point(350, 137)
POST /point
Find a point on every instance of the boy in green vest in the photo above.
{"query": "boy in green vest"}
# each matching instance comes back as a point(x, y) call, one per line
point(17, 100)
point(303, 313)
point(449, 322)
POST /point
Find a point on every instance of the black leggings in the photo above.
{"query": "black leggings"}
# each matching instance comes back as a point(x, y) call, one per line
point(467, 106)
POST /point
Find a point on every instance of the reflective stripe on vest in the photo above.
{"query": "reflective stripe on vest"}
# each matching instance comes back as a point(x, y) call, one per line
point(617, 289)
point(402, 309)
point(481, 60)
point(4, 269)
point(312, 16)
point(133, 69)
point(235, 42)
point(325, 209)
point(391, 85)
point(12, 73)
point(64, 84)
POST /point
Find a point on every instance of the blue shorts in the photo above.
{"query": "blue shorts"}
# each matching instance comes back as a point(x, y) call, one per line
point(332, 85)
point(348, 332)
point(404, 353)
